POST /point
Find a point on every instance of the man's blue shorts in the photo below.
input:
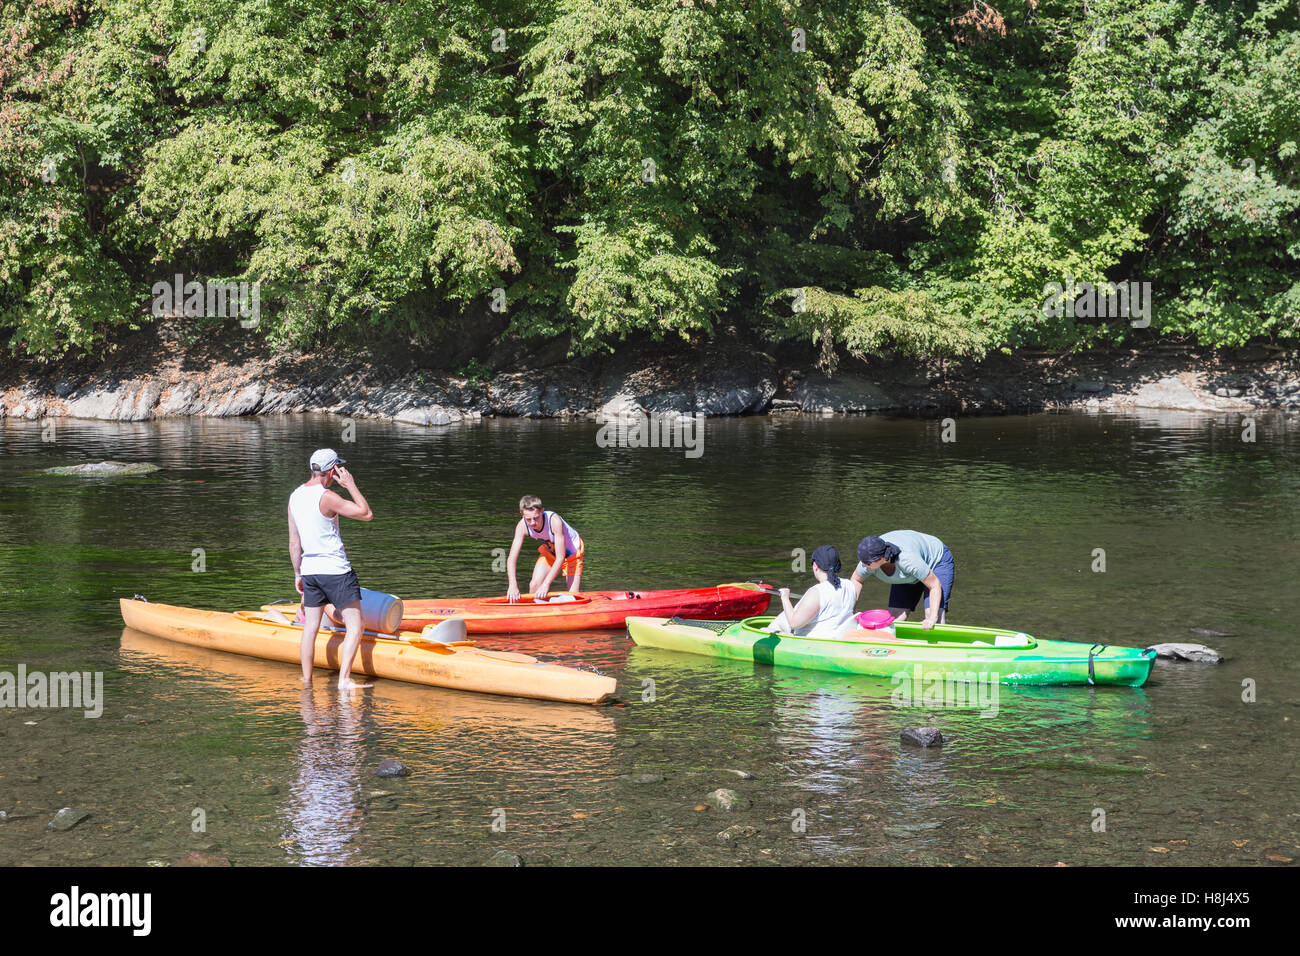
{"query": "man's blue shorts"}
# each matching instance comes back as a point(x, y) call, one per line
point(906, 595)
point(341, 590)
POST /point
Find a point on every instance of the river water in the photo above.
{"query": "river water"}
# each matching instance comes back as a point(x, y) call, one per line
point(198, 751)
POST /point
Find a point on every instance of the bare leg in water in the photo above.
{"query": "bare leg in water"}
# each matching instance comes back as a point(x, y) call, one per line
point(352, 621)
point(310, 625)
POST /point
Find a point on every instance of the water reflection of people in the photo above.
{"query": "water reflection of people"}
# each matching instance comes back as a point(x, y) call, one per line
point(325, 806)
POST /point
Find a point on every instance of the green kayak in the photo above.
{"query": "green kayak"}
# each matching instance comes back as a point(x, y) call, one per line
point(948, 652)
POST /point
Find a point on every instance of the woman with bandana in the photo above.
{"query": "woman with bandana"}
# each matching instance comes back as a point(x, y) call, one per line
point(826, 610)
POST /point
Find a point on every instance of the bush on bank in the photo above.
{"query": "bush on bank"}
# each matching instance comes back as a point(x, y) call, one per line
point(855, 173)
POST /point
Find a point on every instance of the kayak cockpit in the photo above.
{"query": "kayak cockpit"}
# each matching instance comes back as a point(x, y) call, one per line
point(911, 633)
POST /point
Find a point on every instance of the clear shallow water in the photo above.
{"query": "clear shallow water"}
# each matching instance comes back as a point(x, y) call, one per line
point(1199, 530)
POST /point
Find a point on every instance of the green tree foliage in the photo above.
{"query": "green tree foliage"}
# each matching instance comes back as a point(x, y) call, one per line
point(862, 174)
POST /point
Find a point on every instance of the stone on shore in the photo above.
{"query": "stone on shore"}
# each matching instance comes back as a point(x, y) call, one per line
point(427, 415)
point(844, 393)
point(517, 394)
point(1177, 392)
point(117, 402)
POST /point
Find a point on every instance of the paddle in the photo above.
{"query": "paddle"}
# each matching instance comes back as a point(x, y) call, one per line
point(452, 631)
point(776, 592)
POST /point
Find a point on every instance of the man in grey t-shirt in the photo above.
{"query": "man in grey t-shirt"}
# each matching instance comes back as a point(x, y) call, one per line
point(916, 565)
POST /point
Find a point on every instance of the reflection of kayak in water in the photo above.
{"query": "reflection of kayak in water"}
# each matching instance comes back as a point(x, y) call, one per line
point(255, 684)
point(1030, 717)
point(459, 666)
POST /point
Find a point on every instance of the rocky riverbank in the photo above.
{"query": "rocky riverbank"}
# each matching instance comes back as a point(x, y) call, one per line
point(724, 378)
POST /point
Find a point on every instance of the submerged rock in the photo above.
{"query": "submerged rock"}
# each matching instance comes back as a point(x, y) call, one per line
point(392, 768)
point(195, 858)
point(643, 777)
point(111, 468)
point(922, 737)
point(505, 858)
point(1196, 653)
point(726, 800)
point(66, 819)
point(737, 832)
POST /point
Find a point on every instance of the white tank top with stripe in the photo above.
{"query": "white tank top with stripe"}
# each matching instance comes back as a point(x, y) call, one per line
point(572, 541)
point(322, 547)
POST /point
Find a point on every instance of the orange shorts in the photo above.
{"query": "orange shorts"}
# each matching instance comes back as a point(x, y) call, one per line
point(572, 562)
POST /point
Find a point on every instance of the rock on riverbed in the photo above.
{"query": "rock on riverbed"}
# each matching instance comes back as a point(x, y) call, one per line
point(66, 819)
point(922, 737)
point(1197, 653)
point(726, 800)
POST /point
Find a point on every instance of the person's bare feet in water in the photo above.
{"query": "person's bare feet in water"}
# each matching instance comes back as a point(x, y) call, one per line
point(346, 684)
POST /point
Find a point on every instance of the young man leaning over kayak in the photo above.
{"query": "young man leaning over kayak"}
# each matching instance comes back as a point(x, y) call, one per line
point(914, 564)
point(322, 573)
point(560, 551)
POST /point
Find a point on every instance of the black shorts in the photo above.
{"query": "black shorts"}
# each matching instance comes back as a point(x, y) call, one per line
point(337, 589)
point(906, 595)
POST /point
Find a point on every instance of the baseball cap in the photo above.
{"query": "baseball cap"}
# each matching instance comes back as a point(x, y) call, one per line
point(323, 459)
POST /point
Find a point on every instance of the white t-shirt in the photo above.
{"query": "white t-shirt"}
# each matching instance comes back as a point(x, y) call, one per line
point(834, 612)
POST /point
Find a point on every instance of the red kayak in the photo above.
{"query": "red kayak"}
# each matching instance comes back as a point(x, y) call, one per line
point(589, 610)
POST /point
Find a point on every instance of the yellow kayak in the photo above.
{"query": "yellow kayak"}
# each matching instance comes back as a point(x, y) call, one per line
point(460, 666)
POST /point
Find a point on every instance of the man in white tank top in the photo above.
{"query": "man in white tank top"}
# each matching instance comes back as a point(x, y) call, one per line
point(322, 573)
